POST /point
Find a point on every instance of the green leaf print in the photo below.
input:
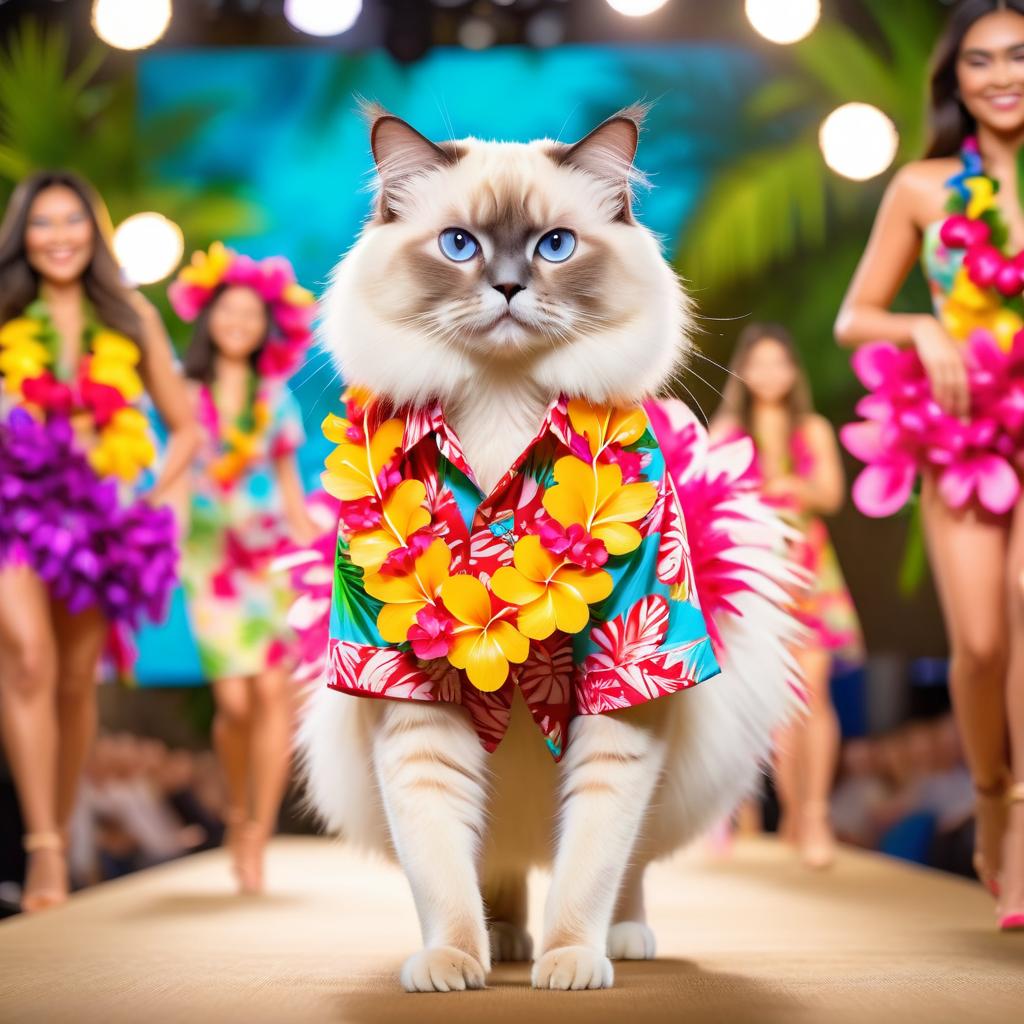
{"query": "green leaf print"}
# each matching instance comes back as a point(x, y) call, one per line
point(351, 601)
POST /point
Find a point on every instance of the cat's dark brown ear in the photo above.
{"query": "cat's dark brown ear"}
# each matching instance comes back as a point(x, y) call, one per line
point(399, 151)
point(608, 152)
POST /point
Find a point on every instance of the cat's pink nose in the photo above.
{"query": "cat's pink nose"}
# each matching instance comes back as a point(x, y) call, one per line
point(509, 290)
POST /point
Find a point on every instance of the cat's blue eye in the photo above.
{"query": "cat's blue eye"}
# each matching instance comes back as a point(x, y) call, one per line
point(557, 246)
point(458, 245)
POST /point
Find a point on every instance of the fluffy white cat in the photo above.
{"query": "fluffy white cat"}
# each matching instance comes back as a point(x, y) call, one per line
point(497, 339)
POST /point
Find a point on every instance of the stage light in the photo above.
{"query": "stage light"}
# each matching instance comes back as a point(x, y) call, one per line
point(477, 34)
point(636, 8)
point(783, 21)
point(858, 141)
point(149, 247)
point(544, 29)
point(131, 24)
point(322, 17)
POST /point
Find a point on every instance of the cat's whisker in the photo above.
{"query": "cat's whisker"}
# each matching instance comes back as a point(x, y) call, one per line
point(707, 383)
point(693, 398)
point(312, 367)
point(697, 352)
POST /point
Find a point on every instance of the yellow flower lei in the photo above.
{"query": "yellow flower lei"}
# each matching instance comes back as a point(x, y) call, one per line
point(124, 446)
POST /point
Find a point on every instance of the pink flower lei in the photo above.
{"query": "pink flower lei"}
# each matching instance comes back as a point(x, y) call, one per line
point(291, 306)
point(904, 429)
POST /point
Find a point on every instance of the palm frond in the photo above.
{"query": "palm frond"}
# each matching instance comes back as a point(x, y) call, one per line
point(759, 211)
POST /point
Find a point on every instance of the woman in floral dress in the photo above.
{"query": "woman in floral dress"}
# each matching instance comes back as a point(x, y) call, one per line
point(252, 324)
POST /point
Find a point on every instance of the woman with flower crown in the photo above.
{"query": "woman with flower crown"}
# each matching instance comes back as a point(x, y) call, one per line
point(80, 550)
point(946, 399)
point(252, 325)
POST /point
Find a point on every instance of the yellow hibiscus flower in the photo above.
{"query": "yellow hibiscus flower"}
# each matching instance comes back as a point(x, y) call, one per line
point(970, 308)
point(596, 499)
point(551, 594)
point(296, 295)
point(125, 446)
point(983, 196)
point(484, 644)
point(20, 331)
point(113, 363)
point(207, 268)
point(405, 596)
point(352, 469)
point(22, 362)
point(604, 425)
point(404, 514)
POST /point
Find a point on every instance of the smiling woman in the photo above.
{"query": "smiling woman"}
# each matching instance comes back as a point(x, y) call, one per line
point(80, 549)
point(960, 369)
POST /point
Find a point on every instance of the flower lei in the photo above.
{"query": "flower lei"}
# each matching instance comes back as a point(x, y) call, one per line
point(904, 428)
point(479, 624)
point(292, 307)
point(987, 289)
point(106, 384)
point(241, 442)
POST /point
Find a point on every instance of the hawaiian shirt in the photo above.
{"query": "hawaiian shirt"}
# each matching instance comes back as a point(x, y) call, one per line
point(585, 599)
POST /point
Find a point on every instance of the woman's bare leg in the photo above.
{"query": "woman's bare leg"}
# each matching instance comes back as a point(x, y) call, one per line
point(819, 750)
point(269, 759)
point(270, 746)
point(968, 552)
point(1012, 895)
point(80, 642)
point(231, 723)
point(28, 717)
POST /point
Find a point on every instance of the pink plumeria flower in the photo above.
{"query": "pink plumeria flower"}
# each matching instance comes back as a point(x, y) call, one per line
point(431, 637)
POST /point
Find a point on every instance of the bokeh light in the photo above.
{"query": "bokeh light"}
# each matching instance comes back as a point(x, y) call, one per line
point(858, 141)
point(322, 17)
point(149, 247)
point(636, 8)
point(131, 24)
point(783, 21)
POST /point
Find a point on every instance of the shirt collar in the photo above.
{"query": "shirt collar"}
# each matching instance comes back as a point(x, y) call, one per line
point(430, 419)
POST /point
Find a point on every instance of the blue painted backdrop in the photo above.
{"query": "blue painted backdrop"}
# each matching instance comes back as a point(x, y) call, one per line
point(286, 127)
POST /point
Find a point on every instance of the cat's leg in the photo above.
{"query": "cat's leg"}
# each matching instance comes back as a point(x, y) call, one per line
point(629, 937)
point(505, 903)
point(432, 779)
point(610, 771)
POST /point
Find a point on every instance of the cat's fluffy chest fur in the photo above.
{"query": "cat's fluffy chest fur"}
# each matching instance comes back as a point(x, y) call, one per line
point(495, 422)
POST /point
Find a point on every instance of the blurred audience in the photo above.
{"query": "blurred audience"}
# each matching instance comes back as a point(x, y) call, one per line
point(141, 804)
point(908, 793)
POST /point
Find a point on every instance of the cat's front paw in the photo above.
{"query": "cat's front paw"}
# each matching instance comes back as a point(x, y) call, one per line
point(630, 940)
point(574, 967)
point(441, 969)
point(510, 943)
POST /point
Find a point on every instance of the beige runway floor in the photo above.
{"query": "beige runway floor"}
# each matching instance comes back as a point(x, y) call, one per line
point(754, 938)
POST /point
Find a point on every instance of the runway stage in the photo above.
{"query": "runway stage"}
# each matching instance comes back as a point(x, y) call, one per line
point(752, 939)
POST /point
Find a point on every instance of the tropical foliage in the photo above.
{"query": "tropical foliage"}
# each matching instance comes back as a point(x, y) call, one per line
point(58, 111)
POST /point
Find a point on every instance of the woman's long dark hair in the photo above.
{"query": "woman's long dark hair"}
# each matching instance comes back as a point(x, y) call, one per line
point(737, 401)
point(949, 121)
point(104, 287)
point(200, 360)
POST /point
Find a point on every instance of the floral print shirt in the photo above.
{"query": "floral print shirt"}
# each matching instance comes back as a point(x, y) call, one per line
point(570, 580)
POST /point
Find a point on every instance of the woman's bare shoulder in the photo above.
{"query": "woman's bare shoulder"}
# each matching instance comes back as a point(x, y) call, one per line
point(922, 187)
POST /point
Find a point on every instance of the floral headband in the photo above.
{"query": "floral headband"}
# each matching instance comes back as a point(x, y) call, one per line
point(292, 307)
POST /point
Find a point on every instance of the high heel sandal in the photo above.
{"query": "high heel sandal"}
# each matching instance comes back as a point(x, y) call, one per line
point(1014, 920)
point(817, 853)
point(995, 798)
point(48, 896)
